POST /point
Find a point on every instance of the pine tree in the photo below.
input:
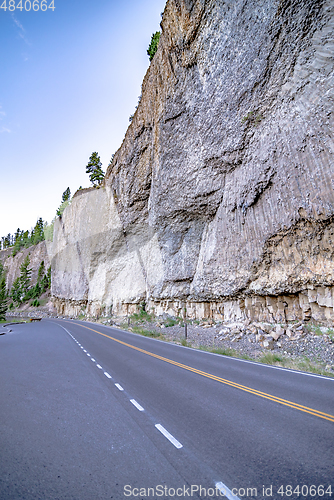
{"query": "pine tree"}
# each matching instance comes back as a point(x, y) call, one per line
point(48, 275)
point(25, 276)
point(3, 298)
point(65, 201)
point(37, 234)
point(15, 292)
point(18, 241)
point(66, 195)
point(153, 47)
point(94, 168)
point(41, 272)
point(7, 242)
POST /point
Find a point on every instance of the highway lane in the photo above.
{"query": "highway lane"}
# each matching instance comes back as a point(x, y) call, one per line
point(244, 439)
point(63, 432)
point(61, 405)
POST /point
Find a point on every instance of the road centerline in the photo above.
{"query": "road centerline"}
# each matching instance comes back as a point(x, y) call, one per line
point(244, 388)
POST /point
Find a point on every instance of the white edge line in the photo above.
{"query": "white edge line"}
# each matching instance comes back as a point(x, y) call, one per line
point(167, 435)
point(119, 387)
point(230, 357)
point(266, 366)
point(223, 356)
point(137, 405)
point(99, 367)
point(226, 492)
point(107, 375)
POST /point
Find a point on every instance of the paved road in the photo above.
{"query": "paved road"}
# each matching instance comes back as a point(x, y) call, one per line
point(91, 412)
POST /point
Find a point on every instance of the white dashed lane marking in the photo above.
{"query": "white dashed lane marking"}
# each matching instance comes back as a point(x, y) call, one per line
point(167, 435)
point(219, 485)
point(137, 405)
point(225, 491)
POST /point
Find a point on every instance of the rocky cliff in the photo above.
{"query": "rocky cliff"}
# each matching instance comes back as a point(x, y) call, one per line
point(37, 254)
point(221, 196)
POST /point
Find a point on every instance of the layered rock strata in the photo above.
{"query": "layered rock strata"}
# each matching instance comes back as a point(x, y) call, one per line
point(221, 197)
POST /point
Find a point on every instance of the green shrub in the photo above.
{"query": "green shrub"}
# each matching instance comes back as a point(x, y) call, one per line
point(271, 358)
point(171, 322)
point(153, 47)
point(146, 333)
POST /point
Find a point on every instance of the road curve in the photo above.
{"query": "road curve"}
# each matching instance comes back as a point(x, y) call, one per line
point(89, 411)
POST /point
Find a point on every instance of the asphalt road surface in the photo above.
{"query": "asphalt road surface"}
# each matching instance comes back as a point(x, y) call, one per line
point(93, 412)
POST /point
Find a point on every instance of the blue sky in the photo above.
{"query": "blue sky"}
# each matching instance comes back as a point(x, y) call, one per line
point(70, 79)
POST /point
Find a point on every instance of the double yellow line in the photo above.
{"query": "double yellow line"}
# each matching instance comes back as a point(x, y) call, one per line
point(281, 401)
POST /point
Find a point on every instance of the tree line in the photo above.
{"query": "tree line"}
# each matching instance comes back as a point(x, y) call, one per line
point(24, 239)
point(22, 289)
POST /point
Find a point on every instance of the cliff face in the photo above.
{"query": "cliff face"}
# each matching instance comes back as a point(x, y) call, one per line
point(37, 254)
point(221, 195)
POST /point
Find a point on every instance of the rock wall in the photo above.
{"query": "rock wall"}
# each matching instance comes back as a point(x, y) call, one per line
point(221, 197)
point(37, 254)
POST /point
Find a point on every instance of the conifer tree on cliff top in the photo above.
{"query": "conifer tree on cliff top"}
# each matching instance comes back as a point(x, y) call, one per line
point(94, 168)
point(66, 195)
point(3, 294)
point(153, 45)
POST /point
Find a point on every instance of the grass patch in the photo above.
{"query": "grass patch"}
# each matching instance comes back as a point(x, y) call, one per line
point(307, 365)
point(304, 364)
point(141, 317)
point(172, 322)
point(185, 343)
point(271, 359)
point(12, 320)
point(146, 333)
point(315, 329)
point(220, 350)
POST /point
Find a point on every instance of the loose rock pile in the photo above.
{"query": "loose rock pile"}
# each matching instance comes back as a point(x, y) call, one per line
point(264, 333)
point(293, 341)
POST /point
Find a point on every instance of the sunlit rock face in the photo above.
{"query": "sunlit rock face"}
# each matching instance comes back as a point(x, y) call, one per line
point(221, 195)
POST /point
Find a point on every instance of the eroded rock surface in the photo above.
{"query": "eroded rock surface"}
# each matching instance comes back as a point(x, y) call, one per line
point(221, 195)
point(37, 254)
